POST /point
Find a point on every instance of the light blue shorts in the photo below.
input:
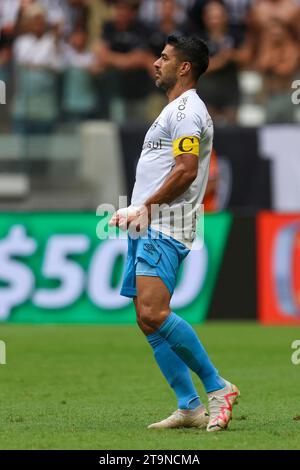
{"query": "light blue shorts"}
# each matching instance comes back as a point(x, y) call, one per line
point(160, 256)
point(142, 268)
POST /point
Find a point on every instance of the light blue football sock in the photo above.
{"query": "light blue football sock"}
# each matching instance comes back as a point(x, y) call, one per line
point(176, 372)
point(186, 344)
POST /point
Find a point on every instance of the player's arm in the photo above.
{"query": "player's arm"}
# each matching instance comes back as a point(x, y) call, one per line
point(186, 155)
point(179, 180)
point(136, 59)
point(184, 172)
point(133, 60)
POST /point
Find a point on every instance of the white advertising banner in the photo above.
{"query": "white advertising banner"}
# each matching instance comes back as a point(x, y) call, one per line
point(281, 144)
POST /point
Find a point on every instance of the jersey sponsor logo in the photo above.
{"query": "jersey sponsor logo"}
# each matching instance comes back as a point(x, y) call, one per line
point(182, 104)
point(180, 116)
point(188, 144)
point(153, 145)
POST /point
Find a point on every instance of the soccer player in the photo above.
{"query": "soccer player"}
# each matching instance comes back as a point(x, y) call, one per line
point(171, 179)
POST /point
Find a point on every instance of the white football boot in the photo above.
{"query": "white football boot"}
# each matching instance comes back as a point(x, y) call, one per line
point(197, 418)
point(220, 405)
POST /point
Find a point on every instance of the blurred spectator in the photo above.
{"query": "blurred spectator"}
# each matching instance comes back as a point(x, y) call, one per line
point(55, 11)
point(264, 11)
point(237, 15)
point(167, 22)
point(79, 94)
point(73, 13)
point(99, 12)
point(9, 11)
point(37, 59)
point(219, 87)
point(124, 54)
point(62, 14)
point(131, 40)
point(5, 54)
point(5, 73)
point(148, 10)
point(238, 11)
point(278, 60)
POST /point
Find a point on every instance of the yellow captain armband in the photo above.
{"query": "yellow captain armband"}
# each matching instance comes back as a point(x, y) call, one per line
point(188, 144)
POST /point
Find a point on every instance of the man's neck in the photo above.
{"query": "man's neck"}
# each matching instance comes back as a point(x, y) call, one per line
point(178, 90)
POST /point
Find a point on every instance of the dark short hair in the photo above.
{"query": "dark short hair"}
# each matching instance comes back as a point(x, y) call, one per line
point(191, 49)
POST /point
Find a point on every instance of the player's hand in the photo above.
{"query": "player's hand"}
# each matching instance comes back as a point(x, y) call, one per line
point(123, 217)
point(138, 221)
point(133, 218)
point(114, 221)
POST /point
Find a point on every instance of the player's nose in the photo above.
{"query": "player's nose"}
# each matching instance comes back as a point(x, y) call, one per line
point(157, 64)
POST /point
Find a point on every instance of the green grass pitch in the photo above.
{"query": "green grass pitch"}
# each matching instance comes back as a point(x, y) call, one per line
point(98, 387)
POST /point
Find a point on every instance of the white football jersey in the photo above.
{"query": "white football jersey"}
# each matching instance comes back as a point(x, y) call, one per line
point(184, 126)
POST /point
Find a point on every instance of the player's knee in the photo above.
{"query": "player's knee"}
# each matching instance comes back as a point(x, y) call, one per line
point(151, 316)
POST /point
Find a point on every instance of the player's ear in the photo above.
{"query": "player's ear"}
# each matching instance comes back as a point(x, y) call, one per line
point(185, 68)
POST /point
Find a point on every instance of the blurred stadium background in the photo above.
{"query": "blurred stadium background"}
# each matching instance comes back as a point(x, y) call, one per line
point(79, 98)
point(77, 95)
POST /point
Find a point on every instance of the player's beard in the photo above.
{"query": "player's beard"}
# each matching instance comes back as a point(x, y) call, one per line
point(167, 83)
